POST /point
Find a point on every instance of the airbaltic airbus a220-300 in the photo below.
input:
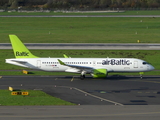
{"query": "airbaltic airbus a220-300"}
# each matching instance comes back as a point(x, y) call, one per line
point(97, 67)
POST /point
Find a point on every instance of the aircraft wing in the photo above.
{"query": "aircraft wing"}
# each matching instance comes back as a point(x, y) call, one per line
point(75, 66)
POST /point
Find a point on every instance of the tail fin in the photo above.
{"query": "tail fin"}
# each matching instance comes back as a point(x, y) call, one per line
point(19, 49)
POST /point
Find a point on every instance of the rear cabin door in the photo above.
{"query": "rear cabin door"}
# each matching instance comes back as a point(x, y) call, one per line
point(39, 63)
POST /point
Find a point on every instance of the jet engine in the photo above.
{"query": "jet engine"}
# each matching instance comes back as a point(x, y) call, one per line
point(99, 73)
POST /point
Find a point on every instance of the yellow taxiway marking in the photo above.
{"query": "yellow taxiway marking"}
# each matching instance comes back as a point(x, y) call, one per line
point(139, 92)
point(151, 81)
point(147, 92)
point(143, 81)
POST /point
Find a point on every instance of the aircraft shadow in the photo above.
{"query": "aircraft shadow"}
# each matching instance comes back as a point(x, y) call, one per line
point(115, 77)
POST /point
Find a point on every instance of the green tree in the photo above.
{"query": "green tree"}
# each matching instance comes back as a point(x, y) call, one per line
point(104, 3)
point(13, 4)
point(153, 3)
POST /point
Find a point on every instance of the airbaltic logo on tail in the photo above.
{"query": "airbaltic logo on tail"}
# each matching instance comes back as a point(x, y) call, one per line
point(22, 53)
point(116, 62)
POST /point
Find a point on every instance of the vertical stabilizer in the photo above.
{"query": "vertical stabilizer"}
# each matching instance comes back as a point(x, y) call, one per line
point(19, 49)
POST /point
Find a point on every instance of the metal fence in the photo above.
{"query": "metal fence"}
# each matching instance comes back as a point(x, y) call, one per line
point(77, 10)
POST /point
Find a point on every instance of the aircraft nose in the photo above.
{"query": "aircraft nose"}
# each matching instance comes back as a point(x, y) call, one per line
point(151, 67)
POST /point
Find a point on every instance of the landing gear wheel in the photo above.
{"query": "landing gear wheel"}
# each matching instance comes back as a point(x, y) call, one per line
point(82, 77)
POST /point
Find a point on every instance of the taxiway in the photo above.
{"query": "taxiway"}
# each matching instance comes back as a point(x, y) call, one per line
point(117, 97)
point(88, 46)
point(112, 90)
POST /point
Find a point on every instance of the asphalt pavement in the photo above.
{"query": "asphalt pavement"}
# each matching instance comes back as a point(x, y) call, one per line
point(86, 46)
point(120, 90)
point(115, 98)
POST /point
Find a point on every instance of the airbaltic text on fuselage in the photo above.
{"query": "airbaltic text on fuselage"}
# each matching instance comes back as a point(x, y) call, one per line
point(116, 62)
point(22, 53)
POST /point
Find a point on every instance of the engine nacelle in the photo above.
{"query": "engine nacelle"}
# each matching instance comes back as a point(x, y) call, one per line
point(99, 73)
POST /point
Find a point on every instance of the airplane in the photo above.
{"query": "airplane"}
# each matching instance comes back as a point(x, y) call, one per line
point(96, 67)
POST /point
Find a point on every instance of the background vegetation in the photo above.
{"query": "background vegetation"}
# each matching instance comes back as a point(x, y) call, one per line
point(80, 4)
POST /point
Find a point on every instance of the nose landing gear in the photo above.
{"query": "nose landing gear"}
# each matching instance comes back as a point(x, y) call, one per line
point(141, 74)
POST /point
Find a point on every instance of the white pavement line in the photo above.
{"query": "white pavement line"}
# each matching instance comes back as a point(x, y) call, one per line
point(116, 103)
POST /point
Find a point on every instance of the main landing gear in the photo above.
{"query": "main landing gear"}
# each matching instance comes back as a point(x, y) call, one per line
point(82, 77)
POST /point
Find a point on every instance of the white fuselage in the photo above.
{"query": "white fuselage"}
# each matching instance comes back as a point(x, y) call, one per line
point(111, 64)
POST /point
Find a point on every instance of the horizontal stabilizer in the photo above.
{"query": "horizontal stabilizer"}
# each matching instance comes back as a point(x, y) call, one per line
point(21, 62)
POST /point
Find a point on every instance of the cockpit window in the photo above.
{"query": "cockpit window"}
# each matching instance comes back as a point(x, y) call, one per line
point(144, 63)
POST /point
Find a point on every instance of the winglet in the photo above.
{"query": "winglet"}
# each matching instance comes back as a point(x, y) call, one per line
point(19, 49)
point(65, 56)
point(62, 63)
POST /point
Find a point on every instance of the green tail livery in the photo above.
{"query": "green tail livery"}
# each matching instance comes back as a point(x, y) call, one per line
point(19, 49)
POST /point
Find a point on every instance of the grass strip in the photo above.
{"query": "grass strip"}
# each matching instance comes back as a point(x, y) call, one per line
point(35, 97)
point(81, 30)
